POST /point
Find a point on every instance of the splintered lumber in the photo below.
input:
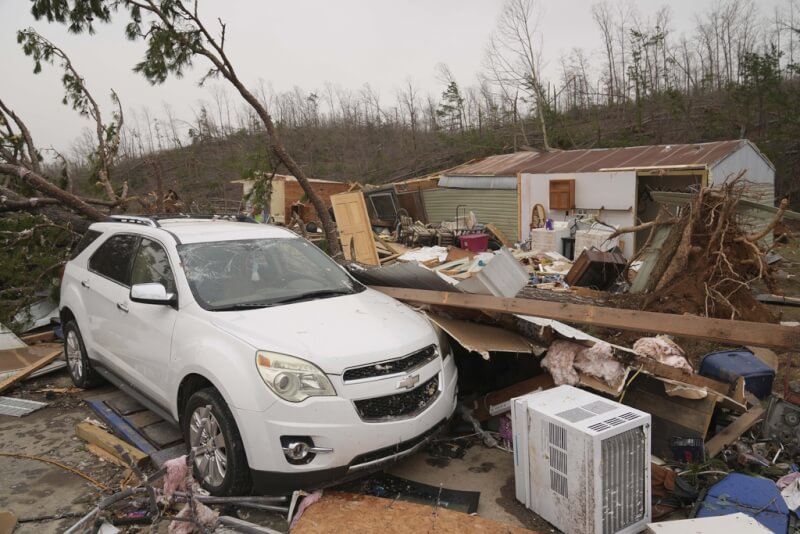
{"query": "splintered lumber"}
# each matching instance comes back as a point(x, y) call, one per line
point(731, 433)
point(106, 441)
point(47, 354)
point(348, 512)
point(30, 339)
point(722, 330)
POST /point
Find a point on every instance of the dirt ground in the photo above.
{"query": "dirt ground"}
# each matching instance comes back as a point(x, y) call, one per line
point(48, 499)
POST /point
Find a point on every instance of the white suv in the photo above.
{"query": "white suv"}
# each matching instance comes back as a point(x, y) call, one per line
point(282, 371)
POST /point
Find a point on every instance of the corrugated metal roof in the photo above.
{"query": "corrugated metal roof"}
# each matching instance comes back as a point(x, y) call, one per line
point(596, 159)
point(479, 182)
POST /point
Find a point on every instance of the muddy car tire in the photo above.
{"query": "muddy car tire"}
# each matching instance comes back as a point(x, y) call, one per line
point(220, 462)
point(80, 368)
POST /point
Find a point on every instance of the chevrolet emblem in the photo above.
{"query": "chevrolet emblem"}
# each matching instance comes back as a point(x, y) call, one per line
point(408, 382)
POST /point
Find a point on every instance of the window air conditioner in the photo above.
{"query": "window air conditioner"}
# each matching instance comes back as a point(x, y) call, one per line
point(582, 462)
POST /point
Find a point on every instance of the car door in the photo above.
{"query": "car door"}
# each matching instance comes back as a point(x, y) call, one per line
point(107, 287)
point(149, 326)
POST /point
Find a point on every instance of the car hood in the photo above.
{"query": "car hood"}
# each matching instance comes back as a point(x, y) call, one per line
point(334, 333)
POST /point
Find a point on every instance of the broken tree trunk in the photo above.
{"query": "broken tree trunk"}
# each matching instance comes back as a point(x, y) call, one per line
point(41, 184)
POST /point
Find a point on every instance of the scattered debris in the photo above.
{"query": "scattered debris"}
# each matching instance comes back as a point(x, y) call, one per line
point(596, 269)
point(108, 442)
point(663, 350)
point(756, 497)
point(33, 358)
point(19, 407)
point(738, 523)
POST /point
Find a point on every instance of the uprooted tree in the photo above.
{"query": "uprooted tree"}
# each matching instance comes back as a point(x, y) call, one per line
point(175, 36)
point(709, 261)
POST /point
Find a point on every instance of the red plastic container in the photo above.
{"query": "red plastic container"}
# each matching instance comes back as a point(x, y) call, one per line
point(474, 242)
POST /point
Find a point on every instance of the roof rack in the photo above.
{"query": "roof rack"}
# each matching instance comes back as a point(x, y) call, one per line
point(203, 216)
point(135, 219)
point(152, 220)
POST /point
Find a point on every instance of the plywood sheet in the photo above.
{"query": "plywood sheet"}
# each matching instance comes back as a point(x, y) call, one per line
point(356, 514)
point(355, 231)
point(483, 338)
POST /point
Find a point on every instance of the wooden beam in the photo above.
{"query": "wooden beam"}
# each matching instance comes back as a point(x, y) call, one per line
point(721, 330)
point(56, 351)
point(39, 338)
point(731, 433)
point(106, 441)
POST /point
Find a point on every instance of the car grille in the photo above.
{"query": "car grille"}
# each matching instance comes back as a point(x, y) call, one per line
point(400, 405)
point(401, 365)
point(392, 450)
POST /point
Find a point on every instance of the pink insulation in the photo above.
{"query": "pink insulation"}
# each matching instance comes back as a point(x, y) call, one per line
point(175, 477)
point(308, 501)
point(205, 520)
point(663, 350)
point(559, 360)
point(599, 362)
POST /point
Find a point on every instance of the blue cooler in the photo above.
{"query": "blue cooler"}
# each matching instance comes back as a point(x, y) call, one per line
point(729, 365)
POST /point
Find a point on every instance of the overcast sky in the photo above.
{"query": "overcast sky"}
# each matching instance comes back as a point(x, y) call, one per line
point(303, 43)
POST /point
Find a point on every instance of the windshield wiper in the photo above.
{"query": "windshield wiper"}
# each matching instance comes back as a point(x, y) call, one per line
point(241, 306)
point(318, 294)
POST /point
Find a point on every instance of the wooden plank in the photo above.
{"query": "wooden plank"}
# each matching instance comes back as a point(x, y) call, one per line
point(107, 456)
point(8, 521)
point(39, 338)
point(120, 426)
point(106, 441)
point(501, 396)
point(671, 416)
point(731, 433)
point(54, 351)
point(143, 418)
point(722, 330)
point(498, 233)
point(355, 230)
point(665, 371)
point(348, 512)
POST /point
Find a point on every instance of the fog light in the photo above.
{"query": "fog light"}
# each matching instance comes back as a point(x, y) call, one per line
point(296, 450)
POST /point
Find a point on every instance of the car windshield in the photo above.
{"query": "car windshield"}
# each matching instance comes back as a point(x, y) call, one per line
point(257, 273)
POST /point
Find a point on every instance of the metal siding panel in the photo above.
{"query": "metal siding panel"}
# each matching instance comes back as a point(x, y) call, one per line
point(495, 206)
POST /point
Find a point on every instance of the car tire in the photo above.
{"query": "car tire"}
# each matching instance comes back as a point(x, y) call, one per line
point(220, 462)
point(80, 368)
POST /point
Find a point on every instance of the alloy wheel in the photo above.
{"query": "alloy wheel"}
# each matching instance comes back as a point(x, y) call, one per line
point(208, 444)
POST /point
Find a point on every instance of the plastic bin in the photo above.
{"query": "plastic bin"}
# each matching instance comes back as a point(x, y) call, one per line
point(729, 365)
point(759, 498)
point(474, 242)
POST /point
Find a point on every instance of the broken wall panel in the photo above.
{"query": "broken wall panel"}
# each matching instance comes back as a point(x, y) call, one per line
point(484, 339)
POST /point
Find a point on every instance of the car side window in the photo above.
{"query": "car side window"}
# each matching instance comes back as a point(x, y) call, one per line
point(151, 265)
point(113, 258)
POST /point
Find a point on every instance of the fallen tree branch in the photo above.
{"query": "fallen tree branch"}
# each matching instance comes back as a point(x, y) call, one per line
point(643, 226)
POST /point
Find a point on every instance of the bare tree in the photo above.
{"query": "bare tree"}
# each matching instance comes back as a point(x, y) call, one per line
point(514, 56)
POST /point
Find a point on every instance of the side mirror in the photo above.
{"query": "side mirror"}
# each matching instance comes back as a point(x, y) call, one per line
point(154, 293)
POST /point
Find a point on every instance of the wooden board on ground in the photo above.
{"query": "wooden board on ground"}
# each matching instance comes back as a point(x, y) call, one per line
point(28, 360)
point(42, 337)
point(672, 416)
point(355, 231)
point(8, 521)
point(108, 442)
point(731, 433)
point(724, 330)
point(348, 512)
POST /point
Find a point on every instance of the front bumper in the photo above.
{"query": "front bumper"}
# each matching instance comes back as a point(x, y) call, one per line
point(281, 483)
point(357, 446)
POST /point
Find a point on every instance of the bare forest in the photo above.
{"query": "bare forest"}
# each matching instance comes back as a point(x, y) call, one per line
point(733, 73)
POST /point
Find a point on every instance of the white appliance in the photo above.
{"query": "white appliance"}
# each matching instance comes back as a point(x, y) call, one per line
point(582, 462)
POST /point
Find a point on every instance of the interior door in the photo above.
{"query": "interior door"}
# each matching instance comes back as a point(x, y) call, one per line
point(355, 231)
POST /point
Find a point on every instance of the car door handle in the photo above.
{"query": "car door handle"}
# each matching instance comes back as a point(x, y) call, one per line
point(122, 306)
point(85, 283)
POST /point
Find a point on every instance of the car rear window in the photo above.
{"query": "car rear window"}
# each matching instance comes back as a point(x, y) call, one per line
point(88, 238)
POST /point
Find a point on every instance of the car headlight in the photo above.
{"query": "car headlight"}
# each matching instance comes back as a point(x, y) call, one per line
point(291, 378)
point(444, 341)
